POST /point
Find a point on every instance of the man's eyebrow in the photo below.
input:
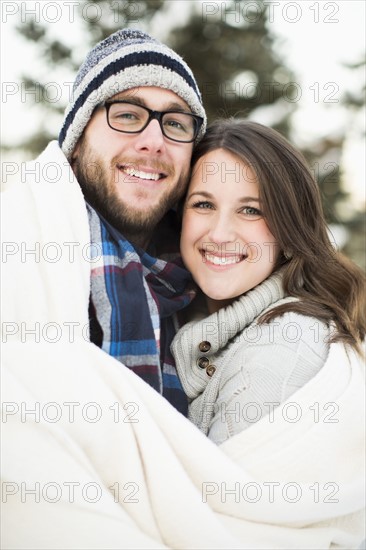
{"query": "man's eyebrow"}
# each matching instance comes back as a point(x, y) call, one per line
point(136, 100)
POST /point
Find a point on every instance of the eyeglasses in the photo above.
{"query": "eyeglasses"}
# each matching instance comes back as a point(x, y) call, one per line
point(130, 118)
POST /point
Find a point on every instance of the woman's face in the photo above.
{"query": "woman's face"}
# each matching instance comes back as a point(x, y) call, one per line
point(225, 241)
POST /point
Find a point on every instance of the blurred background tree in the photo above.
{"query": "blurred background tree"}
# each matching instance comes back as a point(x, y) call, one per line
point(355, 246)
point(230, 48)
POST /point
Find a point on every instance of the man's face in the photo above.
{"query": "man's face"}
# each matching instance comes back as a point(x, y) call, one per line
point(133, 179)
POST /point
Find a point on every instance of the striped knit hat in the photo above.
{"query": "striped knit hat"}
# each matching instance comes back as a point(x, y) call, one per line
point(126, 59)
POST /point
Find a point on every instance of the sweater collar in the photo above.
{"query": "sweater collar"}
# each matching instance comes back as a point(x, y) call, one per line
point(207, 336)
point(223, 325)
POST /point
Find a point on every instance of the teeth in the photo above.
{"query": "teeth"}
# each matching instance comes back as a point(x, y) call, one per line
point(141, 175)
point(222, 260)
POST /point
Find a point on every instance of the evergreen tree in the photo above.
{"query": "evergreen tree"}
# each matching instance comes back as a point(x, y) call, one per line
point(98, 18)
point(230, 52)
point(325, 158)
point(355, 102)
point(230, 49)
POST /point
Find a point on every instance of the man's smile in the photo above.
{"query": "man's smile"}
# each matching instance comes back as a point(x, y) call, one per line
point(148, 174)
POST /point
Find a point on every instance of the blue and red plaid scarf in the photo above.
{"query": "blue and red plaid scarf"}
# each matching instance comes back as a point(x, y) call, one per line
point(133, 299)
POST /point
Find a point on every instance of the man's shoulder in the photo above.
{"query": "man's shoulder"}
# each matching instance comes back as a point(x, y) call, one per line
point(51, 153)
point(46, 183)
point(49, 166)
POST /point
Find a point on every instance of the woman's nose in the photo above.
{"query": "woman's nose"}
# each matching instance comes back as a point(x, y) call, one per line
point(222, 229)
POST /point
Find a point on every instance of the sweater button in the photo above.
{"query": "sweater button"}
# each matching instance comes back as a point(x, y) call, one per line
point(210, 370)
point(203, 362)
point(204, 346)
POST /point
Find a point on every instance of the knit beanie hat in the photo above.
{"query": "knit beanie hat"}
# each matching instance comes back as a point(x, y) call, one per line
point(126, 59)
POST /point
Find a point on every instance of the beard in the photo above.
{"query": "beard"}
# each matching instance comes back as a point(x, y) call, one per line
point(100, 191)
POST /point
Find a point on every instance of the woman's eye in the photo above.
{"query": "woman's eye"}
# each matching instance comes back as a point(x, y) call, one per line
point(251, 212)
point(202, 205)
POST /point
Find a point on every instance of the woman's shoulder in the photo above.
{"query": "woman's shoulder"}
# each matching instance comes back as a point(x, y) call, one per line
point(291, 337)
point(290, 326)
point(292, 319)
point(286, 352)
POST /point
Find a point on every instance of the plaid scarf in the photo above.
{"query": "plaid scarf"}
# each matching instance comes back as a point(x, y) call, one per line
point(133, 298)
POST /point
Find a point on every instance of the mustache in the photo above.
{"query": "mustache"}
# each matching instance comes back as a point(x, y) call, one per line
point(138, 164)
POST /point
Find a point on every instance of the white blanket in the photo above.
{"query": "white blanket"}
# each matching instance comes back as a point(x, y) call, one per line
point(94, 458)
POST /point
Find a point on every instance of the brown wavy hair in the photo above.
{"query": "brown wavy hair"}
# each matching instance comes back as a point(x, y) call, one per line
point(329, 286)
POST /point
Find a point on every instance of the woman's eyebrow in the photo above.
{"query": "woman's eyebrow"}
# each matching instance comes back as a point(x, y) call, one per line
point(250, 199)
point(201, 193)
point(209, 196)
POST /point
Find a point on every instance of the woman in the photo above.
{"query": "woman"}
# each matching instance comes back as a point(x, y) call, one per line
point(277, 292)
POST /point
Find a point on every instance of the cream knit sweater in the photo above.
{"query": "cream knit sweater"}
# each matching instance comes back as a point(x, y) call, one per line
point(236, 371)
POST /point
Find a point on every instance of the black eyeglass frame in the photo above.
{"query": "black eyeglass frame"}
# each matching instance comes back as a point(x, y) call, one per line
point(154, 115)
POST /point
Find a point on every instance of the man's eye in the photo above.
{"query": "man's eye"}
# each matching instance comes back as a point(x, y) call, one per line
point(203, 205)
point(124, 115)
point(176, 128)
point(175, 124)
point(178, 123)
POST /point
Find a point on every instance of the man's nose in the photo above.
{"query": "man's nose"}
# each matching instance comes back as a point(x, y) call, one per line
point(151, 138)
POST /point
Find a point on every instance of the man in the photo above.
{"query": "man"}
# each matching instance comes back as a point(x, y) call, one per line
point(128, 136)
point(131, 66)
